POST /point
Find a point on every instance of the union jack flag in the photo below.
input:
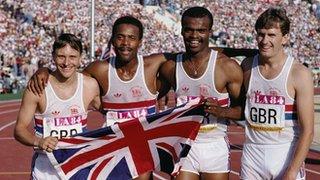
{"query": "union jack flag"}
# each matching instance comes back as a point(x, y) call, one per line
point(127, 149)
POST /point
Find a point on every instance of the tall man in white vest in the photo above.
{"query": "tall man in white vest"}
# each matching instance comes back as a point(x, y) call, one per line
point(279, 108)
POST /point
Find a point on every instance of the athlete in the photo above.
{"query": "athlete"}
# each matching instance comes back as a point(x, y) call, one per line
point(279, 105)
point(61, 111)
point(128, 81)
point(205, 72)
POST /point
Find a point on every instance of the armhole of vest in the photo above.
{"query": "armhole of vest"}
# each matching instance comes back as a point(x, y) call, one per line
point(143, 76)
point(213, 63)
point(178, 65)
point(110, 65)
point(255, 58)
point(46, 93)
point(291, 59)
point(81, 87)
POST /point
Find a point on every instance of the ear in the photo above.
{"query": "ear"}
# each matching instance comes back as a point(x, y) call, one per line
point(285, 39)
point(140, 43)
point(210, 32)
point(112, 41)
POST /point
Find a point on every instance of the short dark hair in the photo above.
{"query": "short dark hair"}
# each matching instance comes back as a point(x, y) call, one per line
point(64, 39)
point(198, 12)
point(128, 20)
point(270, 17)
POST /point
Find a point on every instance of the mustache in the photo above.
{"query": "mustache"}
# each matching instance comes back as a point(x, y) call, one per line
point(124, 48)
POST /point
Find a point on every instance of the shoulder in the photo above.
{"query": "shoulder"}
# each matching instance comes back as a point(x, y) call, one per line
point(300, 73)
point(30, 97)
point(89, 81)
point(96, 67)
point(227, 63)
point(154, 58)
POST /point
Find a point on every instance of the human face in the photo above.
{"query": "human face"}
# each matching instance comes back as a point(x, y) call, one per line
point(196, 33)
point(271, 41)
point(126, 42)
point(67, 61)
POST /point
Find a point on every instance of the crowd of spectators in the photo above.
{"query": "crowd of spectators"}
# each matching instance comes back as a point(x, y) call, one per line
point(28, 29)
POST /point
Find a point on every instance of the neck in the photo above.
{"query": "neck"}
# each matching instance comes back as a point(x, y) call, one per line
point(58, 78)
point(199, 56)
point(126, 65)
point(276, 60)
point(126, 69)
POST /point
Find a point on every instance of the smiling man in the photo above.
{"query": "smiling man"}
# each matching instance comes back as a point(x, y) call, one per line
point(279, 105)
point(59, 112)
point(204, 72)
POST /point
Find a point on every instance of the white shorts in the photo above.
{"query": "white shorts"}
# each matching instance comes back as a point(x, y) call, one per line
point(208, 157)
point(267, 161)
point(42, 168)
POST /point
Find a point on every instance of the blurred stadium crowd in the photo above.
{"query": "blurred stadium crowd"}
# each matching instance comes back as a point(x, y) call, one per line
point(28, 29)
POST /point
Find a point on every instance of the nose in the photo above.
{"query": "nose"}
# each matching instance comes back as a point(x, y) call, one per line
point(194, 33)
point(66, 61)
point(125, 41)
point(264, 39)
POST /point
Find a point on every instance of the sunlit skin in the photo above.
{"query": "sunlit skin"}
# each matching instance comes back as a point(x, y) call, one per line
point(271, 42)
point(126, 42)
point(196, 33)
point(67, 61)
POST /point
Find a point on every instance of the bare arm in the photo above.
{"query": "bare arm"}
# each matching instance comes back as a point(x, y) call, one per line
point(25, 116)
point(234, 78)
point(167, 75)
point(99, 71)
point(303, 87)
point(92, 94)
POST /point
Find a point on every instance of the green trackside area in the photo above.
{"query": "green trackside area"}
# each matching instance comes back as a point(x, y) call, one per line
point(11, 96)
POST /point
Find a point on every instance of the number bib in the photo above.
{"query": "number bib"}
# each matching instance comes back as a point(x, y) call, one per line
point(267, 117)
point(62, 126)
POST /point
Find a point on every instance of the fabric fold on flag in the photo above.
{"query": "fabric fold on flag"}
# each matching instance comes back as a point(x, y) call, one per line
point(127, 149)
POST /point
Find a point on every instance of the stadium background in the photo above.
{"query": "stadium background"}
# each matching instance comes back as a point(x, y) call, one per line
point(29, 27)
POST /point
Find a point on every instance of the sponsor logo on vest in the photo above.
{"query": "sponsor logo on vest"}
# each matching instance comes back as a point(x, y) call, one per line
point(117, 95)
point(268, 99)
point(136, 91)
point(67, 121)
point(132, 114)
point(204, 90)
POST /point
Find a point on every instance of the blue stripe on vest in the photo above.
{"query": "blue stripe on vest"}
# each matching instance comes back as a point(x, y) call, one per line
point(39, 129)
point(291, 116)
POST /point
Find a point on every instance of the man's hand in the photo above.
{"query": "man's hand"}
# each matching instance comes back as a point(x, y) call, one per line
point(47, 144)
point(38, 81)
point(212, 106)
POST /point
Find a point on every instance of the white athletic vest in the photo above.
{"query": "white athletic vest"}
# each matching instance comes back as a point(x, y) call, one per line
point(125, 100)
point(62, 118)
point(190, 88)
point(270, 112)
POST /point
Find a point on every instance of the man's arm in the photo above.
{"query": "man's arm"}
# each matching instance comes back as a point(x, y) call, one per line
point(303, 86)
point(92, 94)
point(99, 71)
point(28, 107)
point(234, 77)
point(167, 75)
